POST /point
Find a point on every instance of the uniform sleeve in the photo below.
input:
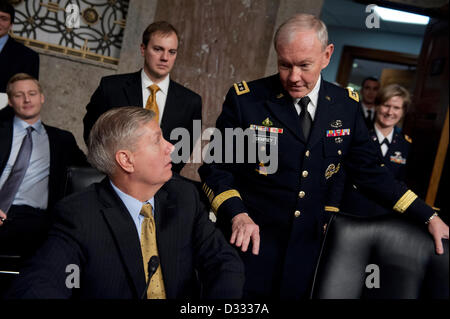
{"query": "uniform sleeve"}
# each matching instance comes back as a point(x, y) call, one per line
point(363, 166)
point(218, 179)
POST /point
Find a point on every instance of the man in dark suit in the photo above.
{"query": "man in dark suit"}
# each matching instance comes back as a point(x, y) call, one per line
point(25, 199)
point(274, 212)
point(177, 106)
point(369, 90)
point(107, 232)
point(14, 56)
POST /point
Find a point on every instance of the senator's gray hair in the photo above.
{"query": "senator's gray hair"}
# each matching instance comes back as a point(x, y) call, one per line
point(119, 128)
point(301, 22)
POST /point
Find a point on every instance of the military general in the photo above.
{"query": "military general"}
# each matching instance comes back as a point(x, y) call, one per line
point(276, 219)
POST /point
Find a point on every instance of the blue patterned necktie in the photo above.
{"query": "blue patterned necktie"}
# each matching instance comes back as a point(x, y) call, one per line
point(15, 178)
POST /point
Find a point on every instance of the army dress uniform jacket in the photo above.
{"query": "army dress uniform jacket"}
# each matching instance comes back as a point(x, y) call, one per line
point(357, 203)
point(289, 204)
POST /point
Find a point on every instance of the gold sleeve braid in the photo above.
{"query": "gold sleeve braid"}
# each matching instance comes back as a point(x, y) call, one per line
point(405, 201)
point(331, 209)
point(222, 197)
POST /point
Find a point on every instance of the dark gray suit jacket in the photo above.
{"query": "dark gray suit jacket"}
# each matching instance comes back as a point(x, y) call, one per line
point(94, 230)
point(182, 105)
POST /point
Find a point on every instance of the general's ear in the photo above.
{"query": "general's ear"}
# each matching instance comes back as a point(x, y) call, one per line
point(328, 52)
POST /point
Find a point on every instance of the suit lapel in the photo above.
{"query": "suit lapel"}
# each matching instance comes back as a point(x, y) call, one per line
point(124, 231)
point(170, 109)
point(167, 231)
point(133, 90)
point(321, 117)
point(6, 134)
point(283, 109)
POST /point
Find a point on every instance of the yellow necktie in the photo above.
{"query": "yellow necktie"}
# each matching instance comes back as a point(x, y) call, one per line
point(149, 248)
point(151, 101)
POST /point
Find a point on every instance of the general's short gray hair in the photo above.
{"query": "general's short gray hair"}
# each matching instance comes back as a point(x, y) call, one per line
point(301, 22)
point(114, 130)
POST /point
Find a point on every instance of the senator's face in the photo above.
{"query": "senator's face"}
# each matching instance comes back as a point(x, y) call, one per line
point(390, 112)
point(26, 100)
point(5, 23)
point(369, 91)
point(159, 55)
point(300, 62)
point(151, 156)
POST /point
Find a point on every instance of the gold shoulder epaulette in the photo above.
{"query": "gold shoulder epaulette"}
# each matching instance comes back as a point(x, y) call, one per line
point(241, 88)
point(408, 138)
point(353, 94)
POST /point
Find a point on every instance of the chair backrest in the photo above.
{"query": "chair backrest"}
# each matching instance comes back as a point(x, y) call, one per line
point(79, 178)
point(387, 257)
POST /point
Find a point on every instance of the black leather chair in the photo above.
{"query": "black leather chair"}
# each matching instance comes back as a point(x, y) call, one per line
point(79, 178)
point(402, 250)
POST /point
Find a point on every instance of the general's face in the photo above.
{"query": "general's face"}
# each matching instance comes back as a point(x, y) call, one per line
point(390, 112)
point(159, 55)
point(5, 23)
point(26, 100)
point(369, 91)
point(300, 62)
point(152, 161)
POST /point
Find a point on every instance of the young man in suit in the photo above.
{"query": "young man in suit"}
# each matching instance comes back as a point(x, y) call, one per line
point(33, 161)
point(369, 90)
point(177, 106)
point(14, 56)
point(115, 231)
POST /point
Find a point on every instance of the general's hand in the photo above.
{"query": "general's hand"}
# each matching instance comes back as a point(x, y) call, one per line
point(2, 217)
point(438, 229)
point(243, 229)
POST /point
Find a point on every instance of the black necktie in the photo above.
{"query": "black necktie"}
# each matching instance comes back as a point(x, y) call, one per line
point(385, 141)
point(305, 117)
point(11, 186)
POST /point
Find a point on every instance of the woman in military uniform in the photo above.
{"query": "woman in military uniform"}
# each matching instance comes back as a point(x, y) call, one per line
point(391, 105)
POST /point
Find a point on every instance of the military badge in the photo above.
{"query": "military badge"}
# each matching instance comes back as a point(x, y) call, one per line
point(352, 94)
point(279, 96)
point(338, 140)
point(267, 122)
point(241, 88)
point(332, 169)
point(260, 128)
point(397, 158)
point(407, 138)
point(328, 98)
point(336, 124)
point(261, 169)
point(340, 132)
point(272, 140)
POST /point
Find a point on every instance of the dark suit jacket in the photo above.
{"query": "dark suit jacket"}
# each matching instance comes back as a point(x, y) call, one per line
point(64, 152)
point(94, 230)
point(17, 58)
point(182, 105)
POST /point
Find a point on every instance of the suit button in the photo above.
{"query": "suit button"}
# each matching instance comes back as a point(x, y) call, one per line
point(305, 173)
point(301, 194)
point(340, 152)
point(307, 153)
point(297, 213)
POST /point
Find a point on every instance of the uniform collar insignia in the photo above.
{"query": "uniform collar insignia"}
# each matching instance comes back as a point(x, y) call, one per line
point(279, 96)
